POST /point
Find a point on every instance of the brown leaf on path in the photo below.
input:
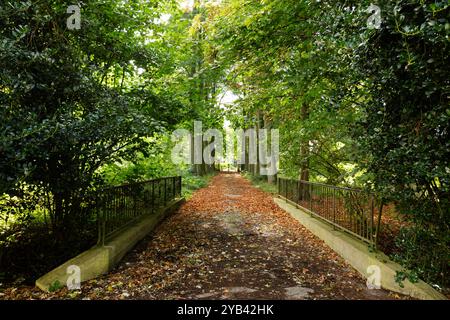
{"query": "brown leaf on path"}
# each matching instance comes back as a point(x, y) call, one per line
point(229, 240)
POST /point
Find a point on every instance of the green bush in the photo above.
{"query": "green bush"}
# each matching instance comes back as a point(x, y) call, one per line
point(426, 253)
point(27, 251)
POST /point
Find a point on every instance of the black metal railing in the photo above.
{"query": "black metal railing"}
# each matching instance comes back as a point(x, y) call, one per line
point(119, 206)
point(348, 209)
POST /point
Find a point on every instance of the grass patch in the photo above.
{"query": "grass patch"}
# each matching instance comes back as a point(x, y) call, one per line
point(192, 183)
point(260, 182)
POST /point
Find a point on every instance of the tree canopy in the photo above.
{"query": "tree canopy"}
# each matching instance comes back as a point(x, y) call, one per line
point(360, 94)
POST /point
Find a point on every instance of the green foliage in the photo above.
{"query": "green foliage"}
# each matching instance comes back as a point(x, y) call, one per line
point(261, 183)
point(406, 126)
point(29, 250)
point(285, 63)
point(152, 162)
point(425, 253)
point(354, 105)
point(55, 286)
point(63, 113)
point(192, 183)
point(72, 102)
point(155, 163)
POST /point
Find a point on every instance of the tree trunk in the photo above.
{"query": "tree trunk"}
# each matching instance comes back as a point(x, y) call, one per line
point(271, 178)
point(304, 155)
point(256, 171)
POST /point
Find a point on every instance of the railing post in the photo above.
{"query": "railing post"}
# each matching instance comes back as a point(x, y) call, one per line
point(101, 221)
point(334, 208)
point(165, 192)
point(117, 206)
point(135, 196)
point(310, 197)
point(285, 189)
point(173, 188)
point(100, 240)
point(371, 219)
point(153, 197)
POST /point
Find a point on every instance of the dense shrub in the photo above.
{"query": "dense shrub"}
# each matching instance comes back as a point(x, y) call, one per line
point(426, 253)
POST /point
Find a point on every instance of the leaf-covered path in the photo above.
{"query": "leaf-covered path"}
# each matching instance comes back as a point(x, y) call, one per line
point(229, 241)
